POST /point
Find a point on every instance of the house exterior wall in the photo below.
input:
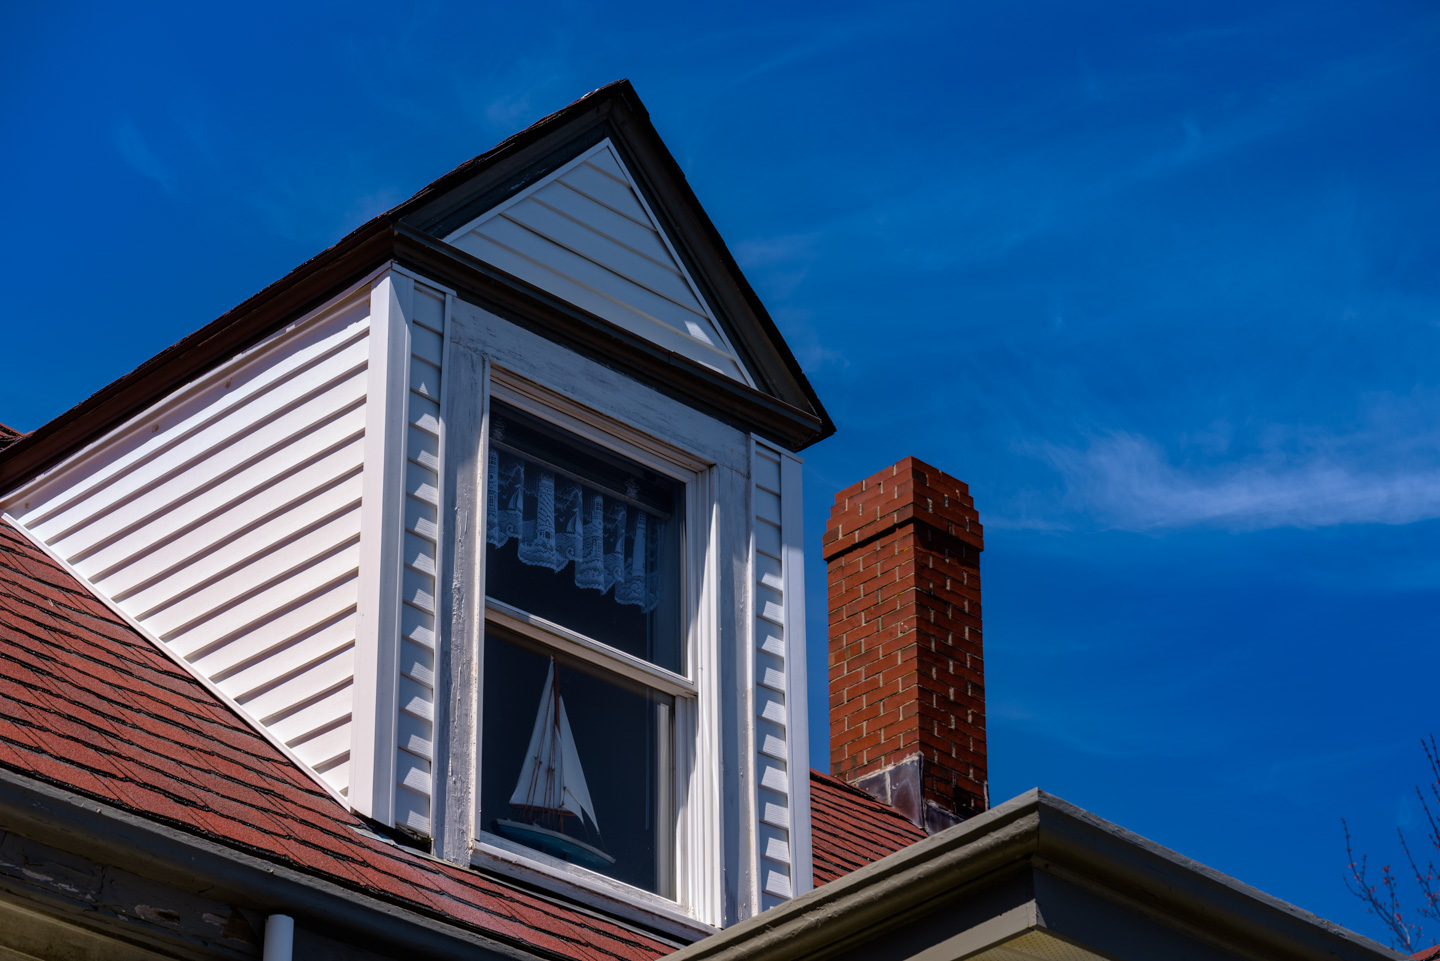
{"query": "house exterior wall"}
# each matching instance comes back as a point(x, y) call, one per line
point(225, 522)
point(717, 820)
point(289, 526)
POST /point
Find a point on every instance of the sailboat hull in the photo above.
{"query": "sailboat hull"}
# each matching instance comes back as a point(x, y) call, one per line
point(554, 843)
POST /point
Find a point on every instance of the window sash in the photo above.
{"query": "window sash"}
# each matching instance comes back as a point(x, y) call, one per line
point(696, 900)
point(583, 648)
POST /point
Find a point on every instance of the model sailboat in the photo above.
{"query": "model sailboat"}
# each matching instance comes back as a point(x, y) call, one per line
point(552, 787)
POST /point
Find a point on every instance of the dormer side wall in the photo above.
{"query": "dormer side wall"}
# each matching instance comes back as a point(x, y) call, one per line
point(225, 522)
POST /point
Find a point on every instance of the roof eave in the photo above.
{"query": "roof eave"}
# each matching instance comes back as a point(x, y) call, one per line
point(378, 242)
point(107, 834)
point(616, 109)
point(783, 418)
point(1043, 835)
point(307, 286)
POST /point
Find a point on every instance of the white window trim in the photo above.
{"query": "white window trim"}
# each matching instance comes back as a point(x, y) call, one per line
point(696, 908)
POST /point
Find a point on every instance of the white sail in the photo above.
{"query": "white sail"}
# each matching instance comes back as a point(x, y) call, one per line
point(572, 780)
point(551, 778)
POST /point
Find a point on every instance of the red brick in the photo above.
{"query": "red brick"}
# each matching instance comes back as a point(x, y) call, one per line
point(903, 549)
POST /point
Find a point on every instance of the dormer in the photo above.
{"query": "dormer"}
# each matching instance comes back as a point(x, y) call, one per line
point(489, 517)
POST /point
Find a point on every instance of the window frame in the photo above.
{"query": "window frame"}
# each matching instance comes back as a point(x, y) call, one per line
point(696, 863)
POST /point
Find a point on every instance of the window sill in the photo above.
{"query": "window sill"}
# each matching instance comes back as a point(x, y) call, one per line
point(593, 890)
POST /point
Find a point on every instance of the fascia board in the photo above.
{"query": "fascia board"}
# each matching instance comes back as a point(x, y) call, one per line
point(1040, 833)
point(1080, 847)
point(361, 253)
point(530, 307)
point(684, 218)
point(615, 112)
point(883, 895)
point(107, 834)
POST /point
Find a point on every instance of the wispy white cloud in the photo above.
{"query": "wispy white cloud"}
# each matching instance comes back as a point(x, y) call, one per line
point(138, 155)
point(1128, 481)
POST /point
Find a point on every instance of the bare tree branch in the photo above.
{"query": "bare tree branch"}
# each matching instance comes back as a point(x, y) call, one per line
point(1383, 899)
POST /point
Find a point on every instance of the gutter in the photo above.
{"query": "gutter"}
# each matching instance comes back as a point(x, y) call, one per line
point(50, 815)
point(1043, 835)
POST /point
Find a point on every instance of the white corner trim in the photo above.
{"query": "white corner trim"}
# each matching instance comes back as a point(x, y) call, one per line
point(375, 711)
point(802, 877)
point(184, 665)
point(700, 800)
point(460, 611)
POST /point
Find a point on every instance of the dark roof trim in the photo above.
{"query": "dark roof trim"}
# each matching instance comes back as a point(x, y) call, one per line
point(794, 417)
point(304, 288)
point(615, 111)
point(53, 816)
point(556, 319)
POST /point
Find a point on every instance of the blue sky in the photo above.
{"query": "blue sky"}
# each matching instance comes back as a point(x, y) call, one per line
point(1161, 282)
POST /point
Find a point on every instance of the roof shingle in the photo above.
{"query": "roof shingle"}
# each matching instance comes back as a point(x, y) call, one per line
point(88, 704)
point(850, 829)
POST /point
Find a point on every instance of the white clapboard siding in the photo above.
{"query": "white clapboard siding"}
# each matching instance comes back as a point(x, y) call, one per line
point(585, 234)
point(226, 522)
point(781, 770)
point(415, 724)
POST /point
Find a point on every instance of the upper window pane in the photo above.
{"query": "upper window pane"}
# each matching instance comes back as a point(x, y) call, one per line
point(584, 538)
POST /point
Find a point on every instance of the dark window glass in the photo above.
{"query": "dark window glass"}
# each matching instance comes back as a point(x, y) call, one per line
point(577, 763)
point(584, 538)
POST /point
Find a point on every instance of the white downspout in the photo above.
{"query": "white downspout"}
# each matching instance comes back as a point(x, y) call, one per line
point(279, 937)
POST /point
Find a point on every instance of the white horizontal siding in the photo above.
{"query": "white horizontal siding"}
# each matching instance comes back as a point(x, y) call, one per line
point(226, 522)
point(586, 235)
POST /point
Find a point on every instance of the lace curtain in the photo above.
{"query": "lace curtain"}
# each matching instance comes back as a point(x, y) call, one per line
point(560, 521)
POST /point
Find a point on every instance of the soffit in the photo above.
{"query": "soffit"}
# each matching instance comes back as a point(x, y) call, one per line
point(1036, 946)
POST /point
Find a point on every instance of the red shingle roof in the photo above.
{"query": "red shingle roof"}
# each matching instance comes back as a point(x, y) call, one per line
point(90, 705)
point(1429, 954)
point(8, 436)
point(850, 829)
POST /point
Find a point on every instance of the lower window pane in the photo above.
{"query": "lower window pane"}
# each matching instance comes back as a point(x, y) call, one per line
point(578, 764)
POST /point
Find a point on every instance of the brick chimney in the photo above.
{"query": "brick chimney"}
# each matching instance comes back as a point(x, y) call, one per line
point(907, 681)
